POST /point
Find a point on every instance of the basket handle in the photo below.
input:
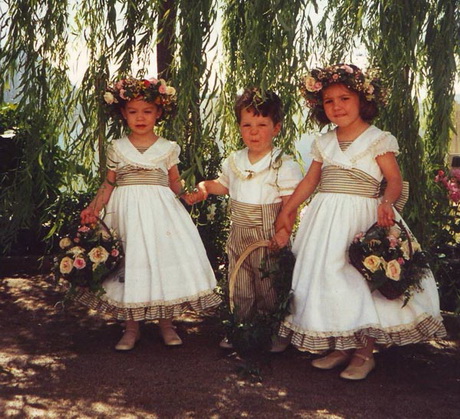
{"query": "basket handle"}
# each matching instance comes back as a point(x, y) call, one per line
point(403, 228)
point(239, 262)
point(104, 225)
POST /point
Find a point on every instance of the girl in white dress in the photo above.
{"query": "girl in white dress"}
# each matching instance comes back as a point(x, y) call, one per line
point(333, 307)
point(166, 269)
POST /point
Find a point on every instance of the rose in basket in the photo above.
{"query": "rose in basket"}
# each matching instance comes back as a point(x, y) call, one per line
point(390, 259)
point(87, 256)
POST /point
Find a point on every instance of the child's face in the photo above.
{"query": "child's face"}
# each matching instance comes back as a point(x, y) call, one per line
point(141, 116)
point(258, 131)
point(341, 105)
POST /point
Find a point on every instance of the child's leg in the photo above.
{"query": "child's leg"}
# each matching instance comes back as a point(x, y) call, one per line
point(168, 332)
point(130, 336)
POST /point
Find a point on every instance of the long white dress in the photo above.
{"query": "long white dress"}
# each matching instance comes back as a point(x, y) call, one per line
point(166, 269)
point(332, 306)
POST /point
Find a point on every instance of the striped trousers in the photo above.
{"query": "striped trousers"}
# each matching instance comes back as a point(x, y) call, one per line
point(249, 224)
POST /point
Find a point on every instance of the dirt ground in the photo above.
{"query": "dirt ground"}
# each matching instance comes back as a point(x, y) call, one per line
point(60, 363)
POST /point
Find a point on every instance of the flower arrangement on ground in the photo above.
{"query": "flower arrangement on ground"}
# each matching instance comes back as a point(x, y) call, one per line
point(390, 259)
point(87, 256)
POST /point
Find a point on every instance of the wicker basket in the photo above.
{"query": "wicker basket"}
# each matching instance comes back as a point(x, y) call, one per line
point(389, 289)
point(240, 261)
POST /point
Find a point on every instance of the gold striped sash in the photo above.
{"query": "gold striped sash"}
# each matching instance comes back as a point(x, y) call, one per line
point(131, 175)
point(334, 179)
point(252, 215)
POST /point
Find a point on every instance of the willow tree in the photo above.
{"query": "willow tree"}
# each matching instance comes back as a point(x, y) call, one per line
point(415, 45)
point(210, 49)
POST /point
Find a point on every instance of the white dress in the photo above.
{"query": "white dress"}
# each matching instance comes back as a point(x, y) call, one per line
point(166, 269)
point(332, 306)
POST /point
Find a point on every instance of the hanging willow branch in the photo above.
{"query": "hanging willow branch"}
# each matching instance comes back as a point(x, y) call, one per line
point(261, 39)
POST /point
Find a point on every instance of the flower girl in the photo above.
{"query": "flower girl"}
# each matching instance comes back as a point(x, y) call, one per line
point(333, 307)
point(166, 269)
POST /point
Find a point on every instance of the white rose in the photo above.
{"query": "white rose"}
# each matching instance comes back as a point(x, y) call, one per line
point(98, 255)
point(76, 250)
point(393, 270)
point(109, 98)
point(170, 90)
point(372, 263)
point(65, 242)
point(66, 265)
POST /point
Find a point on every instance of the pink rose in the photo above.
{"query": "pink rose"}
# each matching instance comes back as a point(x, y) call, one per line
point(153, 80)
point(79, 262)
point(84, 229)
point(114, 253)
point(162, 89)
point(393, 270)
point(347, 68)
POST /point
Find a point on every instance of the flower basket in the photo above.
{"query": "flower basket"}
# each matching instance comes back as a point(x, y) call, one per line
point(88, 254)
point(390, 259)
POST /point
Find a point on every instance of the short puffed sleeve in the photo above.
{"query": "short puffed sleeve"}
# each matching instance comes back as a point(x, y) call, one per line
point(314, 152)
point(223, 178)
point(386, 143)
point(289, 176)
point(173, 156)
point(113, 161)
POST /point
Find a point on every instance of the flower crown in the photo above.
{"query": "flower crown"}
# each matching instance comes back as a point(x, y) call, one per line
point(368, 83)
point(151, 90)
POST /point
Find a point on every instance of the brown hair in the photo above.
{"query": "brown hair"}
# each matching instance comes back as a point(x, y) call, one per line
point(368, 111)
point(266, 103)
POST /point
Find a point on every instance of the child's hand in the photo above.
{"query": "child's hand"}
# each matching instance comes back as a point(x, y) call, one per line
point(385, 214)
point(89, 215)
point(199, 194)
point(279, 240)
point(284, 221)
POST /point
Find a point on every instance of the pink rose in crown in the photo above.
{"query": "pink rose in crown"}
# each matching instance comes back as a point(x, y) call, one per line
point(114, 253)
point(162, 89)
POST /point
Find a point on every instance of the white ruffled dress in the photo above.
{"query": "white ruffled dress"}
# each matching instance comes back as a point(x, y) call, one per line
point(166, 269)
point(332, 306)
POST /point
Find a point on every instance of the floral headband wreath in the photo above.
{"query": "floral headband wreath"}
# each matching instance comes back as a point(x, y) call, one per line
point(368, 83)
point(152, 90)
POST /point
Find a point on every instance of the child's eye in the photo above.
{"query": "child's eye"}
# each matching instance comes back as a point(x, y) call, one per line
point(327, 101)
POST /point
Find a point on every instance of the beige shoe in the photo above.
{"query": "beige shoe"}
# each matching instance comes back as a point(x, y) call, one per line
point(334, 359)
point(170, 337)
point(226, 344)
point(128, 340)
point(355, 373)
point(279, 345)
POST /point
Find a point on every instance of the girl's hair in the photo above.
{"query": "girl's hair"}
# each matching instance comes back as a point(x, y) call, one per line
point(265, 103)
point(152, 90)
point(367, 85)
